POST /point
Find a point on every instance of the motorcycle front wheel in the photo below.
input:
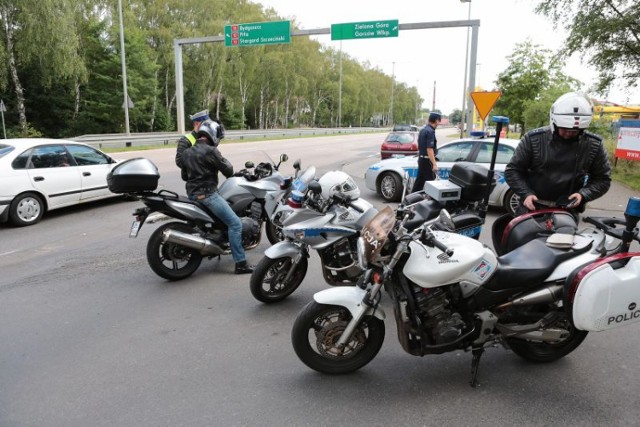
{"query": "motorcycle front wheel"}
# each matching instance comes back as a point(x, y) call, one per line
point(543, 352)
point(318, 328)
point(169, 260)
point(267, 282)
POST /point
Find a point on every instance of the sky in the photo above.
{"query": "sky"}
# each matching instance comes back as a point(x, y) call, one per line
point(436, 57)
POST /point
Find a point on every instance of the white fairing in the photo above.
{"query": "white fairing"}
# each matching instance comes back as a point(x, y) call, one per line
point(348, 297)
point(608, 298)
point(471, 261)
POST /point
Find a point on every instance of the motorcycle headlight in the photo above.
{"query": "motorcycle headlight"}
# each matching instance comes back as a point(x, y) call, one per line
point(362, 259)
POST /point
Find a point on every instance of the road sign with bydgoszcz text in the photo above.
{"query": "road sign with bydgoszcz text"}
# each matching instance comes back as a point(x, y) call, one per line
point(364, 30)
point(485, 101)
point(257, 33)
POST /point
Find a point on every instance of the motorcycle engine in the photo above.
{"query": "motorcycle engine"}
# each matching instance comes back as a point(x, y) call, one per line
point(341, 255)
point(440, 322)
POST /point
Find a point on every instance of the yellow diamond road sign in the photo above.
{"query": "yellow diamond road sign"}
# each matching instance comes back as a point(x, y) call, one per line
point(485, 101)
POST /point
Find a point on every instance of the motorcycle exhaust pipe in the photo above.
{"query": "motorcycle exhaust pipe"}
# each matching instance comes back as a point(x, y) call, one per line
point(543, 296)
point(205, 246)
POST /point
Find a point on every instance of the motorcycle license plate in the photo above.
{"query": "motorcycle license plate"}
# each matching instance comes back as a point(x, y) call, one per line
point(135, 229)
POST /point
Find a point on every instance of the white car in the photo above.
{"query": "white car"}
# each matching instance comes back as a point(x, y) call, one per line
point(38, 175)
point(386, 177)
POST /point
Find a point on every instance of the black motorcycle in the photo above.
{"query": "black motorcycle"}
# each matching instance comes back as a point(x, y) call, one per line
point(176, 249)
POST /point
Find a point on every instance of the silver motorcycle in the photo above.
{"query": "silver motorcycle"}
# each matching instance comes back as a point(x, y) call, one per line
point(330, 226)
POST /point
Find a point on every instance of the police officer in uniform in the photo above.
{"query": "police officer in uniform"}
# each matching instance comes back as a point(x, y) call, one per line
point(560, 165)
point(427, 151)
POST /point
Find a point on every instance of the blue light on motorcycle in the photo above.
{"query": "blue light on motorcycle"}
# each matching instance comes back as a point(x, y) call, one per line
point(633, 207)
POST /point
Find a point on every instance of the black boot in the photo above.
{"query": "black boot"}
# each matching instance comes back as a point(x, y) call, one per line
point(243, 268)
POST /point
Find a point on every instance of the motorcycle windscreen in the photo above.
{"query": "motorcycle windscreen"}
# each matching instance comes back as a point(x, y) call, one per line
point(376, 232)
point(605, 294)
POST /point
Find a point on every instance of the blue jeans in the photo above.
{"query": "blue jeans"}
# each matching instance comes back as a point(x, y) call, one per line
point(223, 211)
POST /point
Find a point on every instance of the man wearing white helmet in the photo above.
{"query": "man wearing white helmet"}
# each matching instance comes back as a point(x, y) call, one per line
point(563, 164)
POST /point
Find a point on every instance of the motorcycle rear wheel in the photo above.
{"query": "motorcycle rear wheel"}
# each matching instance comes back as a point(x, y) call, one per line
point(169, 260)
point(317, 329)
point(266, 282)
point(542, 352)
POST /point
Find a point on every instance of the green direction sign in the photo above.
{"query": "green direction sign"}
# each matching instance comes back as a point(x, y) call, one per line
point(364, 30)
point(257, 33)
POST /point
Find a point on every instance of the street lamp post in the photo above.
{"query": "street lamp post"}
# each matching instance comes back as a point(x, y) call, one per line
point(124, 71)
point(465, 119)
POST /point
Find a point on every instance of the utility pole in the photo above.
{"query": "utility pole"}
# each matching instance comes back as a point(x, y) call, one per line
point(393, 83)
point(433, 105)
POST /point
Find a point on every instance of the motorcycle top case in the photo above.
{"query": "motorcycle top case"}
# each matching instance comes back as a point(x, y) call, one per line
point(472, 179)
point(133, 176)
point(605, 294)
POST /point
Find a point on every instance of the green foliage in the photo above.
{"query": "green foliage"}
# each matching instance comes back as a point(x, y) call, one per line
point(530, 84)
point(65, 56)
point(606, 33)
point(456, 116)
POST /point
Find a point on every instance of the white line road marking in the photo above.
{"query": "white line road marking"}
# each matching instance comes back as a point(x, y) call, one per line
point(8, 253)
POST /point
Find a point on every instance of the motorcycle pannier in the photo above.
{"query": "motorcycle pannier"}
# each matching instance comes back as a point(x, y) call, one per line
point(605, 294)
point(472, 178)
point(133, 176)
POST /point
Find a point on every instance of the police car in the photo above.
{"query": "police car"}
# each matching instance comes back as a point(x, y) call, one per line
point(386, 177)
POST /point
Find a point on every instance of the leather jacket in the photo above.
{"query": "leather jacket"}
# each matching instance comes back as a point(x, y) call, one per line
point(200, 165)
point(549, 167)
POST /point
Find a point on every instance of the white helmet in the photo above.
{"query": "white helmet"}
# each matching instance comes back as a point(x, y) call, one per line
point(572, 110)
point(334, 182)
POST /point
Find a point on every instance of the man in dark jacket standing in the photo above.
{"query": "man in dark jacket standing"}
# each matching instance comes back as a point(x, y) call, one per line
point(200, 164)
point(427, 151)
point(560, 165)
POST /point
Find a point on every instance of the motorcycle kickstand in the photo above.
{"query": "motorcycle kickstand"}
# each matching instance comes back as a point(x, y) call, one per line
point(475, 363)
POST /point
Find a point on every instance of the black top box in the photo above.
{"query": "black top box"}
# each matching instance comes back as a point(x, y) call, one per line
point(133, 176)
point(472, 178)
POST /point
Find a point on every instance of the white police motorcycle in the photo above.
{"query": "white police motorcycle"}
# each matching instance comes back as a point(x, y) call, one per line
point(450, 292)
point(328, 220)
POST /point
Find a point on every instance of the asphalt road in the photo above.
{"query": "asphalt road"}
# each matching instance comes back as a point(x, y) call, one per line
point(90, 336)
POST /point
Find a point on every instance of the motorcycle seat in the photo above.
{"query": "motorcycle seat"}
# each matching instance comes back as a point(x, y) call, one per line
point(529, 264)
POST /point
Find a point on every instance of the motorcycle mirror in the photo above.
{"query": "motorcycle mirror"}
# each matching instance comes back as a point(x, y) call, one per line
point(248, 165)
point(283, 158)
point(315, 187)
point(296, 164)
point(445, 219)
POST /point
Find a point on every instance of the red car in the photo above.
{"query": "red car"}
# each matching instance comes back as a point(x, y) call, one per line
point(404, 143)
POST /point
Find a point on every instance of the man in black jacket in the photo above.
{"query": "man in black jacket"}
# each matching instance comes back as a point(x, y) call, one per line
point(561, 165)
point(200, 164)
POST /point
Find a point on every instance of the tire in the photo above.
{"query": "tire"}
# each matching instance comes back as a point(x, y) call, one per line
point(390, 187)
point(26, 209)
point(511, 202)
point(319, 324)
point(169, 260)
point(541, 352)
point(266, 280)
point(274, 234)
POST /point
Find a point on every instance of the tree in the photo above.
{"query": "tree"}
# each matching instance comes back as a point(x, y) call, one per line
point(456, 116)
point(530, 72)
point(42, 35)
point(605, 31)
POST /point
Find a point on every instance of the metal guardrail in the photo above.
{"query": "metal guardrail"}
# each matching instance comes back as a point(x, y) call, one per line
point(167, 138)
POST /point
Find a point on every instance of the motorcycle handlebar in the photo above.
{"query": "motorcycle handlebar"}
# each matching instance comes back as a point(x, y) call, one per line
point(429, 239)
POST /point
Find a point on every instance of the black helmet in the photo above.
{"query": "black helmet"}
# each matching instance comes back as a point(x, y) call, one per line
point(211, 130)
